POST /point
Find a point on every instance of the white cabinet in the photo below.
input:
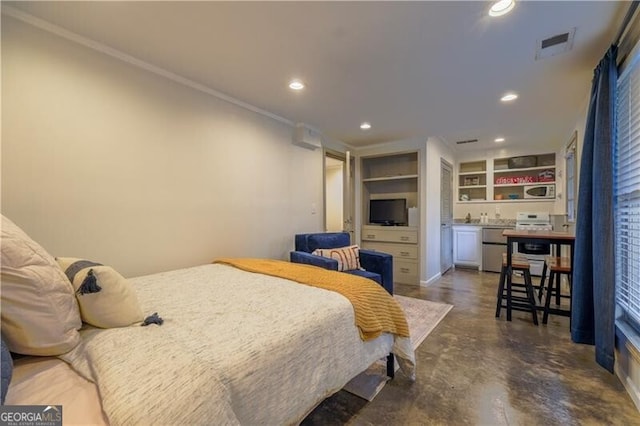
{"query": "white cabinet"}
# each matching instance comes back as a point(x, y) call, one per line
point(399, 241)
point(467, 246)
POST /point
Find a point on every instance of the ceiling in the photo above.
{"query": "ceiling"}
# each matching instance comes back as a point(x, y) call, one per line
point(411, 69)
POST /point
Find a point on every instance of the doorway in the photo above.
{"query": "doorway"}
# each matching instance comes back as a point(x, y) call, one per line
point(338, 192)
point(446, 216)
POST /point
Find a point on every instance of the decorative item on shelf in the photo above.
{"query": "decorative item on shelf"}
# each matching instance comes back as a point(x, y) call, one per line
point(471, 181)
point(464, 197)
point(513, 196)
point(547, 176)
point(412, 216)
point(508, 180)
point(497, 197)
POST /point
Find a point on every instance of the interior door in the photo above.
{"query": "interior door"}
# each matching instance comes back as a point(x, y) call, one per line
point(349, 194)
point(333, 194)
point(338, 192)
point(446, 216)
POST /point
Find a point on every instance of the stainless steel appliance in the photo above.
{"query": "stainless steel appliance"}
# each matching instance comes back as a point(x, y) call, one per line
point(540, 191)
point(493, 245)
point(534, 253)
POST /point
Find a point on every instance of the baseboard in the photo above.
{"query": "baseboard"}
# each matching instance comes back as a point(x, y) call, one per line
point(627, 362)
point(430, 280)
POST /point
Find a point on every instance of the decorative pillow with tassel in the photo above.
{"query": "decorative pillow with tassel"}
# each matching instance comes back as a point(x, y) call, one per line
point(106, 298)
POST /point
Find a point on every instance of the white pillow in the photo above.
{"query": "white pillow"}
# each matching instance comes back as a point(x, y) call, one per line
point(40, 314)
point(348, 257)
point(107, 299)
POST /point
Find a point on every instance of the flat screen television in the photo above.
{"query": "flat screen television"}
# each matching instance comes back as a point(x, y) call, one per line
point(388, 212)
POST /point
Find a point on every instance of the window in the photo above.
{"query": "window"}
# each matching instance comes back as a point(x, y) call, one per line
point(572, 183)
point(627, 191)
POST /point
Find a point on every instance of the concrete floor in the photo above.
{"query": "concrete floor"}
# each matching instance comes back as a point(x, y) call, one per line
point(479, 370)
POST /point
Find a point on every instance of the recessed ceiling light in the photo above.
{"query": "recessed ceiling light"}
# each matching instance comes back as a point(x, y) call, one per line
point(365, 126)
point(498, 140)
point(509, 97)
point(296, 85)
point(501, 7)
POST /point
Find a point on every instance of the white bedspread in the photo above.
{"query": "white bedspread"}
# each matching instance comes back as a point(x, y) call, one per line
point(235, 347)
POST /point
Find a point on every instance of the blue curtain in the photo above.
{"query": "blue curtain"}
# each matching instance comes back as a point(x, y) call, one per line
point(593, 310)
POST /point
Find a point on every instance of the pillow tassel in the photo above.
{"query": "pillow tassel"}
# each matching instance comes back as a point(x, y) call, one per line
point(153, 319)
point(89, 284)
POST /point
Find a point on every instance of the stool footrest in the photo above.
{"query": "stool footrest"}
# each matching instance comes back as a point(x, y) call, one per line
point(519, 307)
point(516, 296)
point(557, 266)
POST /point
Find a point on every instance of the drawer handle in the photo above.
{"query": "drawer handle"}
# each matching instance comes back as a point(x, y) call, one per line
point(372, 236)
point(404, 253)
point(404, 270)
point(404, 238)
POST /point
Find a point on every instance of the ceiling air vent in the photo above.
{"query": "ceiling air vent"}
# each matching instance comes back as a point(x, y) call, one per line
point(467, 141)
point(555, 45)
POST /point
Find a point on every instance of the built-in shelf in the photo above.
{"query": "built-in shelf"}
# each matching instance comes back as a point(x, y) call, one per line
point(524, 200)
point(520, 200)
point(523, 184)
point(393, 176)
point(526, 169)
point(385, 178)
point(537, 170)
point(472, 181)
point(472, 186)
point(502, 180)
point(472, 167)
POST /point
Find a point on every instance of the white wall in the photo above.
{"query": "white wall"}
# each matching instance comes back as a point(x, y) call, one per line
point(106, 161)
point(579, 127)
point(436, 151)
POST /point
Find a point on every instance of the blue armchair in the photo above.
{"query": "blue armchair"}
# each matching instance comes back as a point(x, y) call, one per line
point(378, 266)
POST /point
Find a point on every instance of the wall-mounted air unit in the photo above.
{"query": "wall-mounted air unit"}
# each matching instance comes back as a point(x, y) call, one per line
point(555, 45)
point(306, 137)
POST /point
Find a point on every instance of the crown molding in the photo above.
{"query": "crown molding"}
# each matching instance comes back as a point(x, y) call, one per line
point(102, 48)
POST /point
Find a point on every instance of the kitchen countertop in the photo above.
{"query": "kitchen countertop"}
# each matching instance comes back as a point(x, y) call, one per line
point(493, 223)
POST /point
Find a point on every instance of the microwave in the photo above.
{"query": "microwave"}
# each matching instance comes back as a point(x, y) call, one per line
point(540, 191)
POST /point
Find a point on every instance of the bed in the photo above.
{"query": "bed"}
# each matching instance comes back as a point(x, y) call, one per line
point(235, 347)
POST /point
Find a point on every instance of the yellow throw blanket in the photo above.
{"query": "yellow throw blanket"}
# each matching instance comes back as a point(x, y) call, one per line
point(376, 311)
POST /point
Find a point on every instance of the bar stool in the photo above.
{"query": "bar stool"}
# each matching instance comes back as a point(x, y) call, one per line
point(557, 266)
point(524, 300)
